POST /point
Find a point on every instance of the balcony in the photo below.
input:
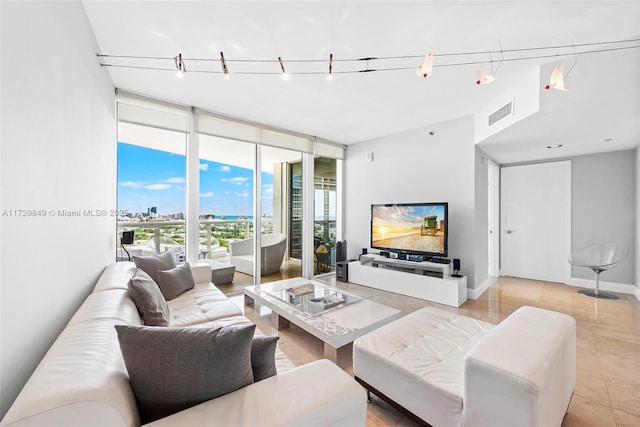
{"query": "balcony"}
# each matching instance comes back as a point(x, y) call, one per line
point(153, 237)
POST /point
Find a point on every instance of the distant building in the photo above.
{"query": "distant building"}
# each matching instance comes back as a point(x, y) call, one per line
point(176, 216)
point(152, 210)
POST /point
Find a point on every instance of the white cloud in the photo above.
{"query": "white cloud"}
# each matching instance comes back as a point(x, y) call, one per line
point(268, 189)
point(238, 180)
point(227, 192)
point(157, 187)
point(207, 194)
point(224, 180)
point(225, 169)
point(131, 184)
point(176, 180)
point(243, 194)
point(204, 166)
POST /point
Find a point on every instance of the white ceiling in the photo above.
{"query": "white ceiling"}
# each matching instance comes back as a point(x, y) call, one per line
point(603, 102)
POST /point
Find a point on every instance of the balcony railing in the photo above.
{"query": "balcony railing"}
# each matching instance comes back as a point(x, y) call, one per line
point(161, 236)
point(169, 235)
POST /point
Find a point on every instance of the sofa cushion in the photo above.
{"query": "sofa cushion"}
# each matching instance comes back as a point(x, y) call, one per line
point(115, 305)
point(146, 294)
point(263, 357)
point(175, 281)
point(182, 367)
point(80, 380)
point(152, 263)
point(201, 304)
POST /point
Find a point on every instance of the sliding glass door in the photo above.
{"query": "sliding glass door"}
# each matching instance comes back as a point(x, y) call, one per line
point(325, 214)
point(276, 200)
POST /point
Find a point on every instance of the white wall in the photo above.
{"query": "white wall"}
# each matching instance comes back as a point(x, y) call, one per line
point(525, 98)
point(57, 152)
point(414, 166)
point(603, 208)
point(481, 214)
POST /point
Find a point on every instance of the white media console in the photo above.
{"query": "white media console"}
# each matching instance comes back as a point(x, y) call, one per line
point(425, 280)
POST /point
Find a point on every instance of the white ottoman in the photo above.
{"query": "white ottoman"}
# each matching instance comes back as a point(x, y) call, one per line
point(523, 373)
point(416, 362)
point(220, 272)
point(452, 370)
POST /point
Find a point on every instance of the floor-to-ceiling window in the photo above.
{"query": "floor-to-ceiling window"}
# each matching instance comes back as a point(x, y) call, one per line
point(194, 183)
point(276, 201)
point(225, 195)
point(325, 214)
point(151, 186)
point(294, 172)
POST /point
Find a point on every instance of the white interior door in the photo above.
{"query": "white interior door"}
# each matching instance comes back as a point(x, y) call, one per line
point(536, 221)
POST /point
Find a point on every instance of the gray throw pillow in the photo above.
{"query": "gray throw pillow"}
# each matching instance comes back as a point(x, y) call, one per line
point(172, 369)
point(263, 357)
point(148, 299)
point(152, 263)
point(175, 281)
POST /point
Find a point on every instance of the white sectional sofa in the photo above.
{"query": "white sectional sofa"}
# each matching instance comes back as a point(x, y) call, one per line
point(447, 369)
point(83, 381)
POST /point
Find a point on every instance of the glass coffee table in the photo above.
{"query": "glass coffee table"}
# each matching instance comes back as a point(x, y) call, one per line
point(332, 314)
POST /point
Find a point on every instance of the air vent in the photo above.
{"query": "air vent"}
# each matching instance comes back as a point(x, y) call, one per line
point(501, 113)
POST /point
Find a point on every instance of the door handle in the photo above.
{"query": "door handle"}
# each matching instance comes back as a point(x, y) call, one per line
point(510, 231)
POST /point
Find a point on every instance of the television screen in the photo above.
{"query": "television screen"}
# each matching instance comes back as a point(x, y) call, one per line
point(410, 228)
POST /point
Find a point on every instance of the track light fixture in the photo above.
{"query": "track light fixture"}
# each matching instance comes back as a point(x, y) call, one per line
point(395, 63)
point(484, 76)
point(556, 81)
point(490, 76)
point(285, 76)
point(424, 70)
point(225, 70)
point(180, 65)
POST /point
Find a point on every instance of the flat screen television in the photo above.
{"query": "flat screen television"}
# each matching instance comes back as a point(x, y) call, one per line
point(411, 228)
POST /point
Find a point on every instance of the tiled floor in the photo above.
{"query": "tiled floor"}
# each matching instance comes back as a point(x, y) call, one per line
point(608, 345)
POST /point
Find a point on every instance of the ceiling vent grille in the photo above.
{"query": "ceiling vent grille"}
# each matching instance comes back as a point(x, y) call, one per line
point(501, 113)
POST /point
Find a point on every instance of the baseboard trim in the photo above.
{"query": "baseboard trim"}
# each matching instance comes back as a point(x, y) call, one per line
point(478, 291)
point(623, 288)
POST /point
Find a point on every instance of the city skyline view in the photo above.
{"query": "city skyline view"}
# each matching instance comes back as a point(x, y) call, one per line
point(154, 178)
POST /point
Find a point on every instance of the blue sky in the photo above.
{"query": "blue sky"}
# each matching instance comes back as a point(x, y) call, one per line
point(148, 177)
point(405, 216)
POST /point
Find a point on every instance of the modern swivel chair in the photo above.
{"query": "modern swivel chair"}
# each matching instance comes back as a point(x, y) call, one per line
point(599, 258)
point(273, 249)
